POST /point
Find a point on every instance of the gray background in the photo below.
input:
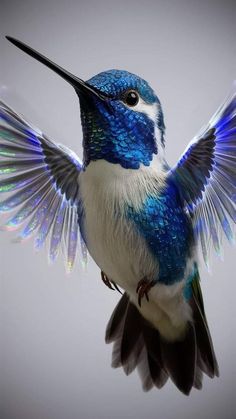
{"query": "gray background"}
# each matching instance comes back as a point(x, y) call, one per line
point(54, 362)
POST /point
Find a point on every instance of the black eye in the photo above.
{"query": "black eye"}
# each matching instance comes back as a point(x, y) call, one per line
point(131, 98)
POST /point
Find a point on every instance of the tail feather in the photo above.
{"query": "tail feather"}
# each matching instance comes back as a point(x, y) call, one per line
point(198, 377)
point(154, 357)
point(206, 359)
point(116, 319)
point(180, 360)
point(137, 344)
point(144, 371)
point(158, 374)
point(206, 355)
point(131, 333)
point(126, 352)
point(134, 358)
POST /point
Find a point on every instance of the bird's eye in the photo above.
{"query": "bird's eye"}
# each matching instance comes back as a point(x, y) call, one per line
point(131, 98)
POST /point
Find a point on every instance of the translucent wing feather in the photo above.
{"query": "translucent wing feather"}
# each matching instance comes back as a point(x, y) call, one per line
point(41, 182)
point(206, 178)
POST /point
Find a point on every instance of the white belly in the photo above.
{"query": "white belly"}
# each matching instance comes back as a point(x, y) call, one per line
point(111, 239)
point(118, 249)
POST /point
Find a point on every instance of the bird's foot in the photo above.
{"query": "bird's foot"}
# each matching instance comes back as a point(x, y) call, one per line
point(143, 289)
point(109, 283)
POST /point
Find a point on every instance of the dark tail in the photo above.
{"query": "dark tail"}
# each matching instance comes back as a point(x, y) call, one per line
point(138, 345)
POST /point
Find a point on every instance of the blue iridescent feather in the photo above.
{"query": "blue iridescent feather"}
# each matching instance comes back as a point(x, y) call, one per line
point(206, 178)
point(45, 190)
point(168, 233)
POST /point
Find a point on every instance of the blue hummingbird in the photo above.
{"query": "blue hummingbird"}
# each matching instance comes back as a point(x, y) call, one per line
point(140, 220)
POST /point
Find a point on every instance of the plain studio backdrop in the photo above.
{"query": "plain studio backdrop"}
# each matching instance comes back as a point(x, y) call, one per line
point(54, 361)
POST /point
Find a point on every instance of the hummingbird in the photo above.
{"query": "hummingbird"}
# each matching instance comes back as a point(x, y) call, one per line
point(141, 220)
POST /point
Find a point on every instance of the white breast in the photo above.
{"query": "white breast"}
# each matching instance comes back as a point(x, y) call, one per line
point(106, 189)
point(114, 243)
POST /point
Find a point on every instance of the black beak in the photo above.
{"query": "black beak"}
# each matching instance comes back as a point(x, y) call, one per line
point(81, 87)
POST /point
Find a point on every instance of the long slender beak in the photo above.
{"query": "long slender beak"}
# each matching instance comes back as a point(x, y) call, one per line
point(80, 86)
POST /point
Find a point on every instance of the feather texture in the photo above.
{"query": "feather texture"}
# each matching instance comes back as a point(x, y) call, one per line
point(206, 178)
point(41, 179)
point(137, 344)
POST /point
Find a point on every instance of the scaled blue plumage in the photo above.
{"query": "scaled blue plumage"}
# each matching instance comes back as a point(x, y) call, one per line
point(168, 232)
point(128, 141)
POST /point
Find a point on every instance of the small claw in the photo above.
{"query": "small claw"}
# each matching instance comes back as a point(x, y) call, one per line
point(106, 281)
point(143, 288)
point(117, 288)
point(110, 286)
point(109, 283)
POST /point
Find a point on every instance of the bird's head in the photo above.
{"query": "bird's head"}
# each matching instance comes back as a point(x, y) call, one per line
point(125, 126)
point(122, 119)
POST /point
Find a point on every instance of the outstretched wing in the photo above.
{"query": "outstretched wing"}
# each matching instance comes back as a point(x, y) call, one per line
point(41, 182)
point(206, 178)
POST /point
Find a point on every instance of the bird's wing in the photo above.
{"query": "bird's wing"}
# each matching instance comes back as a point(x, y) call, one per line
point(41, 182)
point(206, 177)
